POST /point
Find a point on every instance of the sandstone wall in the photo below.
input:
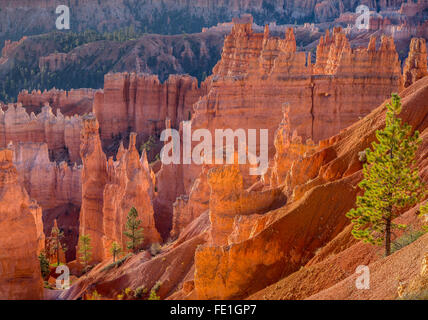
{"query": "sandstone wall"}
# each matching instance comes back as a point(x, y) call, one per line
point(110, 189)
point(94, 178)
point(61, 134)
point(188, 208)
point(258, 74)
point(75, 101)
point(140, 103)
point(49, 183)
point(129, 184)
point(228, 200)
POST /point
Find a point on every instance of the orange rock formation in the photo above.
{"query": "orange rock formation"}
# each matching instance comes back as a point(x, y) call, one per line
point(415, 66)
point(60, 133)
point(282, 240)
point(258, 73)
point(49, 183)
point(129, 185)
point(140, 103)
point(94, 178)
point(75, 101)
point(110, 189)
point(21, 236)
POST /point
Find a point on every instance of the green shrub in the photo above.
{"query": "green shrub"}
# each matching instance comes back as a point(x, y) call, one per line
point(406, 239)
point(44, 265)
point(153, 292)
point(153, 295)
point(118, 263)
point(139, 292)
point(47, 285)
point(155, 249)
point(422, 295)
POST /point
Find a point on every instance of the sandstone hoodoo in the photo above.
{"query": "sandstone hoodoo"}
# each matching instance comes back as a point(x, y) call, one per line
point(415, 66)
point(110, 189)
point(21, 236)
point(258, 73)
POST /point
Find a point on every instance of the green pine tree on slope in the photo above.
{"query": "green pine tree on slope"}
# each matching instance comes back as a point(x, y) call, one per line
point(391, 180)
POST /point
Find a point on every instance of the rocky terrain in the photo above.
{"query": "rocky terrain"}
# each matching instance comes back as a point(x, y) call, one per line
point(80, 159)
point(261, 245)
point(40, 57)
point(66, 61)
point(26, 17)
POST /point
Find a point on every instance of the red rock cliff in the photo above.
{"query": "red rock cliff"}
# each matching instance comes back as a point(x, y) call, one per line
point(129, 185)
point(415, 66)
point(258, 73)
point(140, 103)
point(75, 101)
point(21, 236)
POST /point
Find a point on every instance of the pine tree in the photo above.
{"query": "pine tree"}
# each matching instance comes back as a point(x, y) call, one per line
point(133, 230)
point(153, 295)
point(115, 250)
point(44, 265)
point(85, 250)
point(391, 180)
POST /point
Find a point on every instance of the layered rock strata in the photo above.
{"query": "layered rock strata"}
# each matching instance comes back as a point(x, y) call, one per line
point(258, 74)
point(141, 103)
point(415, 66)
point(75, 101)
point(57, 188)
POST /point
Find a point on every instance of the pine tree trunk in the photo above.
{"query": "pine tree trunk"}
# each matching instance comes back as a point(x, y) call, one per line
point(57, 251)
point(388, 238)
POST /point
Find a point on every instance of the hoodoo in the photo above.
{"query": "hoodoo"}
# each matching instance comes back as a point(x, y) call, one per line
point(21, 236)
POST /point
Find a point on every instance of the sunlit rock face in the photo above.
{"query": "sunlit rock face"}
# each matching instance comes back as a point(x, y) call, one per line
point(94, 178)
point(322, 186)
point(110, 189)
point(141, 103)
point(258, 74)
point(60, 133)
point(415, 66)
point(129, 185)
point(21, 236)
